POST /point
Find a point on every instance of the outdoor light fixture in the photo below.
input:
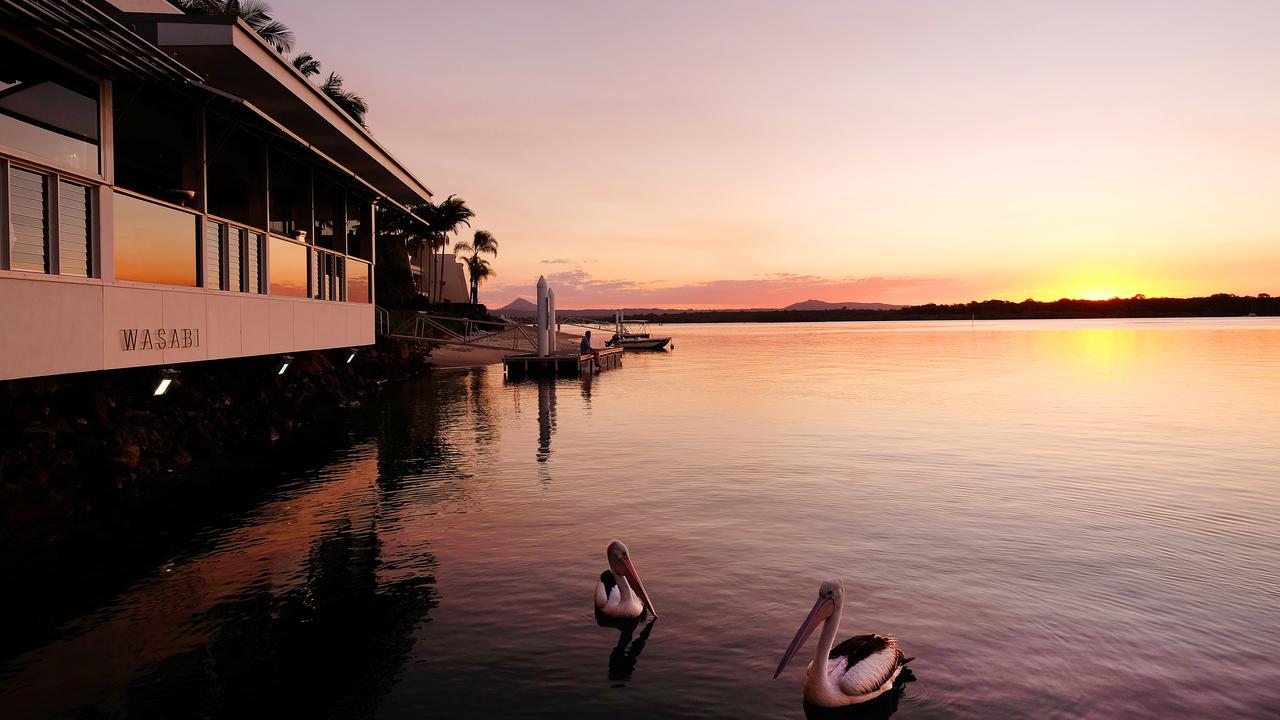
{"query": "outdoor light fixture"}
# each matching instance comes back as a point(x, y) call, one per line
point(351, 355)
point(167, 376)
point(284, 364)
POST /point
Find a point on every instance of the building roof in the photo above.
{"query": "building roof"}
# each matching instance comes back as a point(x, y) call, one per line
point(101, 42)
point(232, 58)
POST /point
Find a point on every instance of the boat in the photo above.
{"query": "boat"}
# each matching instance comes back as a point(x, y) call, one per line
point(637, 338)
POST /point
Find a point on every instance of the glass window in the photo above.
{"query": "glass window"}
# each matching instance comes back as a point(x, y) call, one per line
point(253, 272)
point(28, 221)
point(213, 254)
point(46, 111)
point(290, 194)
point(237, 173)
point(287, 268)
point(357, 281)
point(234, 239)
point(74, 240)
point(157, 144)
point(154, 243)
point(359, 226)
point(328, 212)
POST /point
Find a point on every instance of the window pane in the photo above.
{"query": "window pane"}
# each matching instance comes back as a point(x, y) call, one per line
point(253, 262)
point(357, 281)
point(287, 268)
point(156, 149)
point(28, 221)
point(213, 255)
point(233, 259)
point(74, 240)
point(154, 243)
point(47, 111)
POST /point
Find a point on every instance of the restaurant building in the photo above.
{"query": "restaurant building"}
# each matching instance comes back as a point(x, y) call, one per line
point(173, 190)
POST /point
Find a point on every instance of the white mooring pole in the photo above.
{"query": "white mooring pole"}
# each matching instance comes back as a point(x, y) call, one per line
point(551, 319)
point(542, 316)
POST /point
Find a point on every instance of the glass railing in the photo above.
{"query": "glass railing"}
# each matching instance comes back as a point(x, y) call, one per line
point(287, 268)
point(155, 243)
point(358, 290)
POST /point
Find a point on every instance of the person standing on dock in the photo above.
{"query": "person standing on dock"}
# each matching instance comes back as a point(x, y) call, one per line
point(586, 349)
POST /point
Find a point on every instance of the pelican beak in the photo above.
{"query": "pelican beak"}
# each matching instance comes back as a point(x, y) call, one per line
point(629, 570)
point(820, 612)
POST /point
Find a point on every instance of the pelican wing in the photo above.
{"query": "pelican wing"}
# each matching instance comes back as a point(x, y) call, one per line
point(865, 663)
point(606, 589)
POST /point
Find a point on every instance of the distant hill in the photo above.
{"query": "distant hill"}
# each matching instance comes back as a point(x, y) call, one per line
point(523, 308)
point(823, 305)
point(519, 306)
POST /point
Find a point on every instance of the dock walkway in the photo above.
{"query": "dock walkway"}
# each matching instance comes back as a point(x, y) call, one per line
point(568, 363)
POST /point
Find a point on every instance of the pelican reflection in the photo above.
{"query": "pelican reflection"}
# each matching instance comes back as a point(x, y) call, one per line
point(626, 653)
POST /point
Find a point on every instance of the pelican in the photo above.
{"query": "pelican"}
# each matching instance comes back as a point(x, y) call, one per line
point(614, 596)
point(862, 668)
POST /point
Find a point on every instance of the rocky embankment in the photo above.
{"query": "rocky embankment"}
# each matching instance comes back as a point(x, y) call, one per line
point(77, 452)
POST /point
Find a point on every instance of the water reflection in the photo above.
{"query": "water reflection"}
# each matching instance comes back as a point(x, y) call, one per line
point(546, 418)
point(330, 646)
point(626, 653)
point(878, 709)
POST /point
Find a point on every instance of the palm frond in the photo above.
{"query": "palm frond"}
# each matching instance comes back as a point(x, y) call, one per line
point(350, 102)
point(305, 63)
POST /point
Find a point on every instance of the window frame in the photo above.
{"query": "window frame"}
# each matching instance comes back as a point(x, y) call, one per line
point(53, 178)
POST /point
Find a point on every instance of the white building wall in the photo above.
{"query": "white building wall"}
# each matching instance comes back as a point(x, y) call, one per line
point(66, 325)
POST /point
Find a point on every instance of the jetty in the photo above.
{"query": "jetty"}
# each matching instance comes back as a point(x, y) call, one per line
point(548, 360)
point(561, 363)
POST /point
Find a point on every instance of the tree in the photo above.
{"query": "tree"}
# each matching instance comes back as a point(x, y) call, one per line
point(350, 102)
point(398, 236)
point(445, 218)
point(306, 64)
point(478, 269)
point(255, 13)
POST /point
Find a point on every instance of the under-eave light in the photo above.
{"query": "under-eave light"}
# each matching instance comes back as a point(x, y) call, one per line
point(167, 376)
point(284, 364)
point(351, 356)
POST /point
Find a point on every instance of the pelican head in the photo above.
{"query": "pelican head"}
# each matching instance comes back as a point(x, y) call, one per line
point(620, 564)
point(830, 596)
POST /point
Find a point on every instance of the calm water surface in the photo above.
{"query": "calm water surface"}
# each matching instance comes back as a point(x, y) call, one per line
point(1059, 520)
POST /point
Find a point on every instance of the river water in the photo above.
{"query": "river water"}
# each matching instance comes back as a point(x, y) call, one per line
point(1057, 519)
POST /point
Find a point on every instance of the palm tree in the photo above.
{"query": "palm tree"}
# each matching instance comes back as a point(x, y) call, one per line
point(350, 102)
point(479, 269)
point(446, 218)
point(306, 64)
point(255, 13)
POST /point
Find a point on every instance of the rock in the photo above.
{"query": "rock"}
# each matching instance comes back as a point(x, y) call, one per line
point(127, 457)
point(40, 437)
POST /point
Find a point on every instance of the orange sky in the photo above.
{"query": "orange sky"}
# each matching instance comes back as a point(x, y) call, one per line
point(730, 154)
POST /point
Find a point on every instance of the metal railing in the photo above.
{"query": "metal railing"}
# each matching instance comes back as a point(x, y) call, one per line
point(446, 330)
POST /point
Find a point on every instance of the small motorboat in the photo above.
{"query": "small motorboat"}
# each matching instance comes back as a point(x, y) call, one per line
point(637, 338)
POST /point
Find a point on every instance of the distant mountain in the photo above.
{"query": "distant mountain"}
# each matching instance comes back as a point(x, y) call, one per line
point(823, 305)
point(523, 308)
point(519, 306)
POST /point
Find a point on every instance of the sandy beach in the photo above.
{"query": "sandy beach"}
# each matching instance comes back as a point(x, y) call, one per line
point(454, 356)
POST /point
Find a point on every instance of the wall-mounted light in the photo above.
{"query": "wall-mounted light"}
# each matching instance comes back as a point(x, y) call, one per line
point(167, 376)
point(284, 364)
point(351, 355)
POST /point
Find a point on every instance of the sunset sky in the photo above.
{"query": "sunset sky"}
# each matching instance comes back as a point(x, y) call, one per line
point(748, 154)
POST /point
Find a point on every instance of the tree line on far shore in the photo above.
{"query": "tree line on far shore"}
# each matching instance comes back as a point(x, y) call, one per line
point(1218, 305)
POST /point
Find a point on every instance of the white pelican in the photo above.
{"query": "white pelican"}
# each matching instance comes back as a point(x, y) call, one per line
point(614, 596)
point(859, 669)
